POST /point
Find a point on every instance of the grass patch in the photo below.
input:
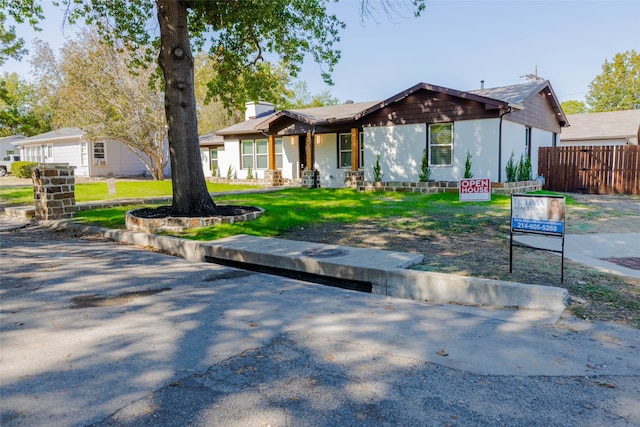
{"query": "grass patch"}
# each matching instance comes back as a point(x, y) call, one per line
point(298, 208)
point(93, 191)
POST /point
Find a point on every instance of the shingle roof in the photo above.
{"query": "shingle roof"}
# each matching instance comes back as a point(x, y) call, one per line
point(513, 94)
point(54, 134)
point(609, 125)
point(211, 139)
point(499, 97)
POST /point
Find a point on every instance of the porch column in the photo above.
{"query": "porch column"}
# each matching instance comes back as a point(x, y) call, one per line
point(310, 147)
point(355, 151)
point(272, 152)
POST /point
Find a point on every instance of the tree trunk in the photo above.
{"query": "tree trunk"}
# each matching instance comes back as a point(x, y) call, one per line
point(190, 195)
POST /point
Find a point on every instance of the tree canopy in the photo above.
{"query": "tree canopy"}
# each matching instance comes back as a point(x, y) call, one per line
point(574, 107)
point(244, 40)
point(20, 111)
point(10, 45)
point(618, 86)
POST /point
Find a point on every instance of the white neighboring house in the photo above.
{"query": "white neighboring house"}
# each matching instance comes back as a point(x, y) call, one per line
point(8, 145)
point(609, 128)
point(90, 159)
point(491, 124)
point(211, 148)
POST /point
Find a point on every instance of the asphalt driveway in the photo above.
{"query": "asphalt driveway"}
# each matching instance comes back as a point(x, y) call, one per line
point(99, 333)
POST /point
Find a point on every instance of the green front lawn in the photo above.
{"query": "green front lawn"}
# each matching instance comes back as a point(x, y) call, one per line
point(298, 207)
point(88, 192)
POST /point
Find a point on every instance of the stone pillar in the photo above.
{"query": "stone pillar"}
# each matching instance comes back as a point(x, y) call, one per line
point(273, 178)
point(354, 179)
point(310, 178)
point(53, 191)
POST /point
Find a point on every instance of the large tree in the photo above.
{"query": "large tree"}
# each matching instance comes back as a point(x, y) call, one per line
point(11, 46)
point(618, 86)
point(243, 37)
point(573, 107)
point(21, 112)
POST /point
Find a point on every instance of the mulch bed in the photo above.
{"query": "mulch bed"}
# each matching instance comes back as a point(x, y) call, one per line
point(221, 210)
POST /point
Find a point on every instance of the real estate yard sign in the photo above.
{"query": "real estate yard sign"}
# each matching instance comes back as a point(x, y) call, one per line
point(538, 214)
point(475, 190)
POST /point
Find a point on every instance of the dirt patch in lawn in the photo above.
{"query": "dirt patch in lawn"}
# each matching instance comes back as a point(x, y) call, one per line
point(470, 242)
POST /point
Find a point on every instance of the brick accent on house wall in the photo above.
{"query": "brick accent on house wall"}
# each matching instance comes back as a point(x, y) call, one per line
point(53, 191)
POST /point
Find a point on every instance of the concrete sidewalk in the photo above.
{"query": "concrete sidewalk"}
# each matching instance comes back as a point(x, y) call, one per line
point(105, 334)
point(595, 250)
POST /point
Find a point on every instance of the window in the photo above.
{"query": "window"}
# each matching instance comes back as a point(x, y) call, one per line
point(213, 158)
point(344, 150)
point(247, 154)
point(278, 153)
point(441, 144)
point(255, 153)
point(361, 157)
point(262, 154)
point(99, 154)
point(83, 153)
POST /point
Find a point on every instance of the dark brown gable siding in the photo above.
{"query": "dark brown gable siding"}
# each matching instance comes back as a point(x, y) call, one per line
point(537, 113)
point(429, 107)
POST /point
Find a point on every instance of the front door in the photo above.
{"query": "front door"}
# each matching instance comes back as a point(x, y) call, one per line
point(302, 154)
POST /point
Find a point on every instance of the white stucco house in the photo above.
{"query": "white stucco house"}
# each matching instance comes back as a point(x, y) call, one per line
point(334, 142)
point(90, 159)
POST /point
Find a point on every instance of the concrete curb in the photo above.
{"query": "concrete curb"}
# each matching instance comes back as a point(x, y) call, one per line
point(383, 269)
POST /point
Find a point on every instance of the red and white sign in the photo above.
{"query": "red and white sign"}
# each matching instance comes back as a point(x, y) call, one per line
point(475, 190)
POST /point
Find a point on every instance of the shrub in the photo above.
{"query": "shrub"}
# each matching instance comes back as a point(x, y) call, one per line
point(230, 172)
point(22, 169)
point(512, 170)
point(524, 169)
point(377, 171)
point(425, 172)
point(249, 173)
point(467, 166)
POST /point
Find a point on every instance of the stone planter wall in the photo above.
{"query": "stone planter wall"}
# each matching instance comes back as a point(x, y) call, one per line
point(153, 225)
point(355, 180)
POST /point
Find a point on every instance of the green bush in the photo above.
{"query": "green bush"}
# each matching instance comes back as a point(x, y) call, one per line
point(524, 169)
point(467, 167)
point(377, 171)
point(512, 170)
point(425, 172)
point(22, 169)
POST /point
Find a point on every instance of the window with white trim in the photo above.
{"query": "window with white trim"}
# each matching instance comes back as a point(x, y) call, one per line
point(262, 154)
point(84, 153)
point(213, 159)
point(247, 154)
point(99, 157)
point(255, 153)
point(278, 153)
point(441, 144)
point(344, 150)
point(361, 157)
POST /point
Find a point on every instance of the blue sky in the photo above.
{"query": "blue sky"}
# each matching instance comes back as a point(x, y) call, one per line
point(456, 44)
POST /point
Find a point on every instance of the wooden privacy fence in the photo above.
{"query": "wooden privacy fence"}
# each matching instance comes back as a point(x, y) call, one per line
point(611, 169)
